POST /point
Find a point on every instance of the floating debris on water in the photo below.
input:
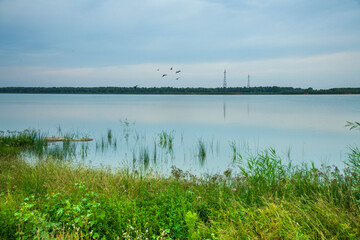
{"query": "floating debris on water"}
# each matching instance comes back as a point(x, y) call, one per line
point(61, 139)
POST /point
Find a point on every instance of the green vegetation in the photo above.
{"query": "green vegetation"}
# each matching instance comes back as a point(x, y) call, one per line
point(201, 151)
point(166, 140)
point(55, 199)
point(170, 90)
point(353, 125)
point(234, 150)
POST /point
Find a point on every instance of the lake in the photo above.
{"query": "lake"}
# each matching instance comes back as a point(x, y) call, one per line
point(193, 132)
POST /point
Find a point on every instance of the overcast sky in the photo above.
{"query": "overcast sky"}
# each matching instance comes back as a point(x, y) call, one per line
point(298, 43)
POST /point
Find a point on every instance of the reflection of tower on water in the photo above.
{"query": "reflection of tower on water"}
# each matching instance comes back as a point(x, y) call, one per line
point(224, 108)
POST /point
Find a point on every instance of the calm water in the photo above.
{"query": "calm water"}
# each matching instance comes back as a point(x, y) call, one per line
point(300, 128)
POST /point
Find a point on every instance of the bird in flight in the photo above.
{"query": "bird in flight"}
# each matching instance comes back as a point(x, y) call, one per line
point(178, 71)
point(177, 78)
point(164, 75)
point(171, 68)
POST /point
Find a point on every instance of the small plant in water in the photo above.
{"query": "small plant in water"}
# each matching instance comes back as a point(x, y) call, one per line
point(233, 147)
point(109, 136)
point(202, 151)
point(84, 150)
point(155, 153)
point(166, 140)
point(144, 157)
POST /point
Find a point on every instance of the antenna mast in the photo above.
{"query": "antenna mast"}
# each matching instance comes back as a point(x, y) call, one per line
point(248, 85)
point(224, 84)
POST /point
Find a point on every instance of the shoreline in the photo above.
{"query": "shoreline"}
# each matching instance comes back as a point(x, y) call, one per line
point(274, 90)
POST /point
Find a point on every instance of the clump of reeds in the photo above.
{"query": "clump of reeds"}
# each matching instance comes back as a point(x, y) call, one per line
point(107, 142)
point(166, 140)
point(27, 141)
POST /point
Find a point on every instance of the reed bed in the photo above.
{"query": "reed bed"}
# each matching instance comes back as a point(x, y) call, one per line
point(56, 199)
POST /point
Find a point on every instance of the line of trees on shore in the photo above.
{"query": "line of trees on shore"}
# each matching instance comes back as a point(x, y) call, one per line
point(171, 90)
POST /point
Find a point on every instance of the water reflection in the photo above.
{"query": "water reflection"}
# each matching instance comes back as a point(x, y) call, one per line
point(224, 109)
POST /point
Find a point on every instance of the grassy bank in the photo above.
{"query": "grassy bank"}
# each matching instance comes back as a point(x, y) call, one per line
point(52, 198)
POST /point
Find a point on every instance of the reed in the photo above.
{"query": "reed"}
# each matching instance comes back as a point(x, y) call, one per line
point(201, 151)
point(166, 140)
point(144, 157)
point(109, 136)
point(155, 154)
point(353, 160)
point(234, 150)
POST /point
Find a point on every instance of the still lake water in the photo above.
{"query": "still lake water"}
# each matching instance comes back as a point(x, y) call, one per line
point(301, 128)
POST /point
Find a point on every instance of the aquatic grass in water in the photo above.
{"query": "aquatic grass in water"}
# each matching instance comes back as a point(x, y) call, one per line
point(288, 154)
point(155, 153)
point(107, 142)
point(109, 136)
point(165, 149)
point(166, 139)
point(40, 148)
point(84, 150)
point(233, 148)
point(144, 157)
point(62, 151)
point(201, 151)
point(30, 141)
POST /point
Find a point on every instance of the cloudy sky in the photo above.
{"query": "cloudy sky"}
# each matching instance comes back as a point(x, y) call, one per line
point(298, 43)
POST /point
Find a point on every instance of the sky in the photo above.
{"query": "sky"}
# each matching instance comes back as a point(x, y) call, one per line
point(123, 43)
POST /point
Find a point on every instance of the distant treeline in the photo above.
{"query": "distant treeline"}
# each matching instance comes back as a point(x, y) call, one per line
point(170, 90)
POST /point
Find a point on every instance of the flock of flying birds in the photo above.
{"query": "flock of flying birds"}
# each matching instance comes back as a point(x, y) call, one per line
point(165, 75)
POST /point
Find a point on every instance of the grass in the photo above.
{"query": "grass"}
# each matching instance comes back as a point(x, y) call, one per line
point(353, 125)
point(144, 157)
point(234, 150)
point(55, 199)
point(166, 140)
point(106, 143)
point(201, 152)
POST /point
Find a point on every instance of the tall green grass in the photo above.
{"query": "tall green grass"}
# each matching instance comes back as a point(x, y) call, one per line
point(266, 199)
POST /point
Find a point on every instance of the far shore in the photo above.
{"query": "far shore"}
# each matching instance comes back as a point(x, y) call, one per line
point(274, 90)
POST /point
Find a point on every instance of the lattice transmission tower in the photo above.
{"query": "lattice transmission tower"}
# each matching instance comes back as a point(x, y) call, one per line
point(224, 84)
